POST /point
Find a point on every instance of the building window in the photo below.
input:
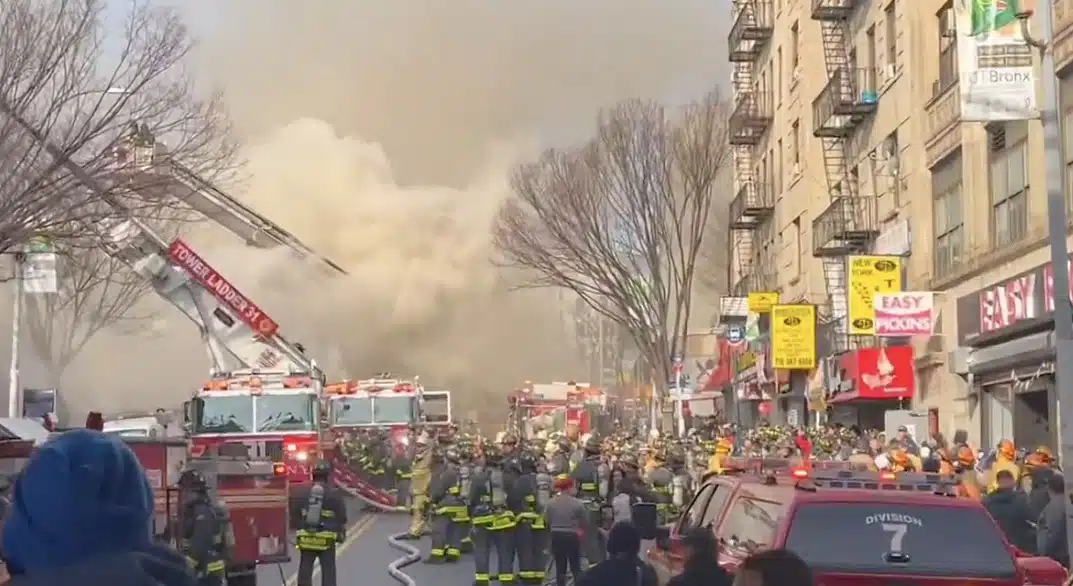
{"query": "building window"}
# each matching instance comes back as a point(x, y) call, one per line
point(890, 18)
point(1066, 99)
point(948, 65)
point(1009, 182)
point(795, 136)
point(795, 41)
point(778, 75)
point(779, 176)
point(797, 247)
point(948, 216)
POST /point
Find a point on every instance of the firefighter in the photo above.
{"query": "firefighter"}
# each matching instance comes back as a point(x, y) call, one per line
point(486, 497)
point(506, 523)
point(403, 463)
point(420, 479)
point(321, 519)
point(530, 521)
point(559, 462)
point(592, 484)
point(465, 474)
point(542, 541)
point(681, 482)
point(203, 531)
point(446, 502)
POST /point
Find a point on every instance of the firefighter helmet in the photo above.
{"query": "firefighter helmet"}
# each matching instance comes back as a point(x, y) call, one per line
point(322, 470)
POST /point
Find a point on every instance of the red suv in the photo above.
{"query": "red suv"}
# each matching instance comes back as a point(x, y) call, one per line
point(853, 528)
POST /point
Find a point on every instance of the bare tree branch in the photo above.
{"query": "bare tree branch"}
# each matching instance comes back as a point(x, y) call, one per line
point(63, 78)
point(621, 220)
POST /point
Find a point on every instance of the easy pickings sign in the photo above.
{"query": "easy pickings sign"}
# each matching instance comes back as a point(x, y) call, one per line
point(905, 313)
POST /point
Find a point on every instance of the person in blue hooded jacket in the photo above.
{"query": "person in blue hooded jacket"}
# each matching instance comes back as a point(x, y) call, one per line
point(81, 515)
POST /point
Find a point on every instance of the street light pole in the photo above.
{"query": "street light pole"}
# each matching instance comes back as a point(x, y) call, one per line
point(1056, 225)
point(14, 389)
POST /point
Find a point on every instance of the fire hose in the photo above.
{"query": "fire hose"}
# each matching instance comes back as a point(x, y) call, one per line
point(411, 556)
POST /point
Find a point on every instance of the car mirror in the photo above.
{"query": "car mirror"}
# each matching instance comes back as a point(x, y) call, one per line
point(646, 519)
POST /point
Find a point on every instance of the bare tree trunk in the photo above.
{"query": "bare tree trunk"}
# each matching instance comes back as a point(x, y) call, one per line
point(621, 220)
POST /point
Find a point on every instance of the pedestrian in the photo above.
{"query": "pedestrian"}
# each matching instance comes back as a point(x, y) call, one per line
point(565, 518)
point(701, 566)
point(1009, 507)
point(1051, 526)
point(774, 567)
point(623, 566)
point(82, 510)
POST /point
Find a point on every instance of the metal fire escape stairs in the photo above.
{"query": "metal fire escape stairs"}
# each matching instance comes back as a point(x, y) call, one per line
point(847, 225)
point(231, 343)
point(753, 204)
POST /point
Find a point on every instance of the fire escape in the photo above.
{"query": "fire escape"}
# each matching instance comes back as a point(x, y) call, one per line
point(849, 223)
point(754, 203)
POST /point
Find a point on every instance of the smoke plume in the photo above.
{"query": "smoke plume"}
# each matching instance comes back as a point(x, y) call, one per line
point(380, 133)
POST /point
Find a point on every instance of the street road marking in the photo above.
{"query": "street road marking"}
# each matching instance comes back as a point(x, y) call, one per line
point(360, 528)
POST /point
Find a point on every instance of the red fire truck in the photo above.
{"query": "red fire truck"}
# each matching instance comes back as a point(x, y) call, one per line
point(555, 406)
point(254, 491)
point(276, 415)
point(385, 403)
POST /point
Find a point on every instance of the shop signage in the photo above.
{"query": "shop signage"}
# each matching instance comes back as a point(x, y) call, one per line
point(1024, 301)
point(793, 337)
point(908, 313)
point(872, 374)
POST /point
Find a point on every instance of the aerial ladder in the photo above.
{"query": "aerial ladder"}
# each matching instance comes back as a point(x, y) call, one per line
point(213, 203)
point(237, 333)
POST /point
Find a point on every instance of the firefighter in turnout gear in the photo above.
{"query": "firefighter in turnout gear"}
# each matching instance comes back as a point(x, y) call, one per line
point(530, 522)
point(491, 517)
point(681, 482)
point(205, 531)
point(506, 523)
point(592, 483)
point(320, 516)
point(465, 483)
point(420, 479)
point(447, 504)
point(559, 462)
point(545, 483)
point(403, 471)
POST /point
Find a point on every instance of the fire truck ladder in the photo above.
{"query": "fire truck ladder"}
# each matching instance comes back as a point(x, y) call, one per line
point(231, 343)
point(245, 222)
point(848, 225)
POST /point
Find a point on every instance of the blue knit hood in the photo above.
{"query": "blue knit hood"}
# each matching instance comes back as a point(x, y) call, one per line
point(82, 496)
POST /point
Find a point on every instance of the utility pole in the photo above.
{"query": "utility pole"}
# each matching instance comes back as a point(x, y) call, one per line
point(1056, 224)
point(14, 390)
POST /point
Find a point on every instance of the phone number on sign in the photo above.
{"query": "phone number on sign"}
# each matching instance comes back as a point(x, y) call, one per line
point(794, 362)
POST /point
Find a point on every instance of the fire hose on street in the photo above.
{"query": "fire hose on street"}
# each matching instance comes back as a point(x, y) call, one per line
point(411, 555)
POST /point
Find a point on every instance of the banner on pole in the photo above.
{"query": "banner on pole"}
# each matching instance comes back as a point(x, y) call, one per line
point(997, 80)
point(37, 269)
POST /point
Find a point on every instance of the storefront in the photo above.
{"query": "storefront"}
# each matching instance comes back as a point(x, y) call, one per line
point(862, 385)
point(1010, 366)
point(753, 384)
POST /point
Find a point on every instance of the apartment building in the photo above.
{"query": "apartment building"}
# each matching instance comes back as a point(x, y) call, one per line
point(848, 140)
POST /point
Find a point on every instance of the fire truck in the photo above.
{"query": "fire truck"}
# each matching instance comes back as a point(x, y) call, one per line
point(386, 403)
point(253, 490)
point(554, 406)
point(274, 414)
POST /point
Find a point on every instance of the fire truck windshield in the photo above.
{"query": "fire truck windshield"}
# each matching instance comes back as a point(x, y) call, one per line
point(271, 412)
point(352, 410)
point(394, 410)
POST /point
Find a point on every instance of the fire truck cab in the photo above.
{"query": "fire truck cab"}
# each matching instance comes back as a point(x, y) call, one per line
point(385, 403)
point(276, 415)
point(554, 406)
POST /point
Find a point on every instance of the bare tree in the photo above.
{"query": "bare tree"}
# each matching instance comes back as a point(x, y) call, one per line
point(76, 103)
point(621, 220)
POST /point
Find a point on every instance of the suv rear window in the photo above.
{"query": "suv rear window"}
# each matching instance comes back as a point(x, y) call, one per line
point(899, 538)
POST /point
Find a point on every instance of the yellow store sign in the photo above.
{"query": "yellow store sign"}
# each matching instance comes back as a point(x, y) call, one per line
point(869, 275)
point(793, 337)
point(762, 302)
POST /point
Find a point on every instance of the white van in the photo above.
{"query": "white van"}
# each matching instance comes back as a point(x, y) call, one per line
point(144, 427)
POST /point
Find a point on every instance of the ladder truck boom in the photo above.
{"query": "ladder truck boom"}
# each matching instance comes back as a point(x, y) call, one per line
point(242, 220)
point(237, 334)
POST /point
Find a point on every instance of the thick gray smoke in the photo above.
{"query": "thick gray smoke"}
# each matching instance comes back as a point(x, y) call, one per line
point(380, 132)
